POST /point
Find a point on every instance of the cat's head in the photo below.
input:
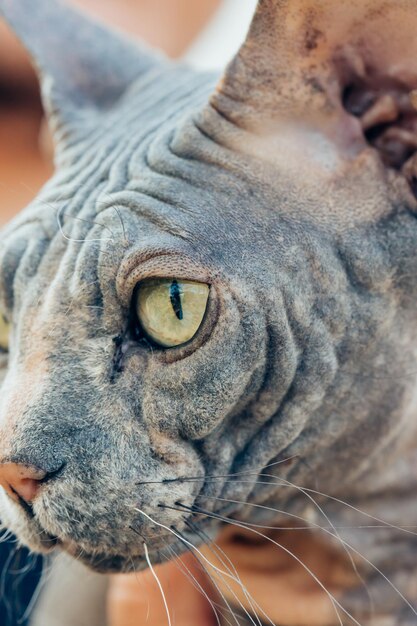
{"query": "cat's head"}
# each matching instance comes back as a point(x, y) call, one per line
point(218, 277)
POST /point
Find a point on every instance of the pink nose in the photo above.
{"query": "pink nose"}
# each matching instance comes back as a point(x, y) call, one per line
point(21, 481)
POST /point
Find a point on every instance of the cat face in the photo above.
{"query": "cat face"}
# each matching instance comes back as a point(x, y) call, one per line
point(200, 291)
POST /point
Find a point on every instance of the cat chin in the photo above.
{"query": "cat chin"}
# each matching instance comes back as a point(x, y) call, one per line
point(103, 563)
point(113, 563)
point(25, 525)
point(33, 536)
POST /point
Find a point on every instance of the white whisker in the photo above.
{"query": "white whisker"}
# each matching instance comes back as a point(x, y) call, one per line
point(194, 549)
point(187, 572)
point(336, 535)
point(249, 526)
point(226, 584)
point(406, 528)
point(336, 604)
point(60, 213)
point(251, 601)
point(158, 582)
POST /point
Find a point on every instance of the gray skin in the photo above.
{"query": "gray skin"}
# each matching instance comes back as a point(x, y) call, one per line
point(266, 188)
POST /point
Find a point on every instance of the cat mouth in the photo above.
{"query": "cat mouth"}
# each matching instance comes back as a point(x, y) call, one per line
point(101, 561)
point(47, 541)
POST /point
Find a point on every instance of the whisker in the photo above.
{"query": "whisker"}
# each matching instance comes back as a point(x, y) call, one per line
point(311, 525)
point(75, 217)
point(45, 577)
point(273, 510)
point(217, 572)
point(217, 476)
point(86, 221)
point(140, 584)
point(59, 214)
point(250, 526)
point(187, 572)
point(158, 582)
point(109, 204)
point(405, 528)
point(119, 215)
point(337, 536)
point(194, 548)
point(231, 569)
point(364, 513)
point(7, 535)
point(210, 576)
point(333, 600)
point(149, 537)
point(3, 579)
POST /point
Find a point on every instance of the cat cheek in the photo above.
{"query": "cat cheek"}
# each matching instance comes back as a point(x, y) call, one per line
point(19, 393)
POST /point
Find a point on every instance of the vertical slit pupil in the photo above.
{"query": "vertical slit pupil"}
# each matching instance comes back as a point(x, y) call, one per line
point(175, 297)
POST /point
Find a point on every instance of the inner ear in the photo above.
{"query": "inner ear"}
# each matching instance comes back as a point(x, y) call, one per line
point(384, 107)
point(345, 70)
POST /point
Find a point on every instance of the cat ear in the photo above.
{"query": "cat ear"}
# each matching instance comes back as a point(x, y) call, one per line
point(82, 64)
point(345, 70)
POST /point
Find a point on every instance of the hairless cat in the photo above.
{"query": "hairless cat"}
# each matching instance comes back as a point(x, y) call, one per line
point(210, 309)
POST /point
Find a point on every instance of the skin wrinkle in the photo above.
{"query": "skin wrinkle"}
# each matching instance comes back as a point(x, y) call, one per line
point(307, 351)
point(117, 144)
point(255, 414)
point(77, 232)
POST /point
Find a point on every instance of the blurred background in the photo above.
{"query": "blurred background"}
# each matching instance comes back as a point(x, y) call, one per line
point(203, 33)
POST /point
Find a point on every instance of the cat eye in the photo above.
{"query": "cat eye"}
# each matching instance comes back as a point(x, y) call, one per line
point(171, 311)
point(4, 334)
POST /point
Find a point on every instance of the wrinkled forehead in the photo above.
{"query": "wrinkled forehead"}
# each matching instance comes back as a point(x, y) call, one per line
point(143, 182)
point(120, 173)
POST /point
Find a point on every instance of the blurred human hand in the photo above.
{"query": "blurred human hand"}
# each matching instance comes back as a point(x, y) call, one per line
point(136, 599)
point(273, 573)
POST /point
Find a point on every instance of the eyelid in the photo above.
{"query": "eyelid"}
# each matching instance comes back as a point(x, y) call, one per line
point(134, 270)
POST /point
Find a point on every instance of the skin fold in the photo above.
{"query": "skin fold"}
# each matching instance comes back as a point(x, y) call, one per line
point(288, 187)
point(26, 153)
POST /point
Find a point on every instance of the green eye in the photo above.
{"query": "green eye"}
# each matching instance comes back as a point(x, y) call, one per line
point(4, 334)
point(171, 311)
